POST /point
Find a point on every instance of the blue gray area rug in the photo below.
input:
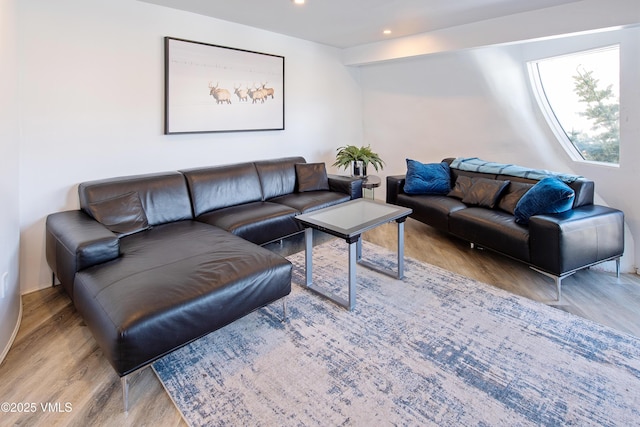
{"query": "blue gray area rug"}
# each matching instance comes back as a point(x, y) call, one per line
point(435, 349)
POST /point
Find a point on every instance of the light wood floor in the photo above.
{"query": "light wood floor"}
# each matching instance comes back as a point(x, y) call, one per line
point(55, 359)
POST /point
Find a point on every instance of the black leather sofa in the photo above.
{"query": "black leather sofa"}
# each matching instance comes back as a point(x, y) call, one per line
point(556, 245)
point(153, 262)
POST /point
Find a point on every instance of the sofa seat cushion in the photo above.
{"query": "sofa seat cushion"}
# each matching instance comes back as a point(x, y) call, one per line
point(173, 284)
point(492, 229)
point(258, 222)
point(431, 209)
point(311, 200)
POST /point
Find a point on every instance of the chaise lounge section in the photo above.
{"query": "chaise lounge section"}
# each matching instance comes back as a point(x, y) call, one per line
point(153, 262)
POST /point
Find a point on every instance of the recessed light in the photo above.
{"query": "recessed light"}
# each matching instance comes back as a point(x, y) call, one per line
point(298, 1)
point(386, 32)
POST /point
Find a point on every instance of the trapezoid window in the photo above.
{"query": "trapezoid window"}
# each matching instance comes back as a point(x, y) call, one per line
point(580, 96)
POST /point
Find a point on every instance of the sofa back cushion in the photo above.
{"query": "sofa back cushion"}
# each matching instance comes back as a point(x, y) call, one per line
point(219, 187)
point(512, 195)
point(164, 197)
point(584, 190)
point(122, 215)
point(278, 176)
point(485, 192)
point(583, 187)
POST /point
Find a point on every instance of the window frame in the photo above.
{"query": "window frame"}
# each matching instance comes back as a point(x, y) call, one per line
point(549, 114)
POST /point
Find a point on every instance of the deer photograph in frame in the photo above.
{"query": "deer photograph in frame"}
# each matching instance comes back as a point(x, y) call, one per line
point(210, 88)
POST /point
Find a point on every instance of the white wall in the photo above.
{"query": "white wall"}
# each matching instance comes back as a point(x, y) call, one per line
point(612, 183)
point(92, 104)
point(10, 305)
point(462, 103)
point(478, 102)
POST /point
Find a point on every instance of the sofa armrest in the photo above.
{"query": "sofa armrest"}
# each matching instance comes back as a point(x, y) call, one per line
point(346, 184)
point(583, 236)
point(395, 186)
point(75, 241)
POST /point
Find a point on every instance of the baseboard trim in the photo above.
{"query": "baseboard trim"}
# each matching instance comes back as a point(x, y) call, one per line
point(5, 351)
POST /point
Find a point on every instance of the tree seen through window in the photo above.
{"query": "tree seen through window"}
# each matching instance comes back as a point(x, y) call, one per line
point(582, 91)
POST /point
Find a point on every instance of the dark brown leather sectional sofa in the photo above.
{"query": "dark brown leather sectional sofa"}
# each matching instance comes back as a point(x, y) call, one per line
point(556, 245)
point(153, 262)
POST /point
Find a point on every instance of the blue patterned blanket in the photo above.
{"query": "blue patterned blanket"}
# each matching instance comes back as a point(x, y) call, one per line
point(474, 164)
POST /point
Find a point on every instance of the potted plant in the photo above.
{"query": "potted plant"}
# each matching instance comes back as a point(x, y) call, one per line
point(358, 158)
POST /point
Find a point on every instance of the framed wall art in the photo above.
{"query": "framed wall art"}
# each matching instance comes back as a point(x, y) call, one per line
point(210, 88)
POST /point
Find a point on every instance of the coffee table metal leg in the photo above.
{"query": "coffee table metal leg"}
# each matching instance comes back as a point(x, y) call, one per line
point(308, 256)
point(400, 249)
point(308, 265)
point(353, 260)
point(399, 274)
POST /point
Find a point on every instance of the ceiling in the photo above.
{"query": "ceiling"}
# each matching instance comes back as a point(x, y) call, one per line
point(348, 23)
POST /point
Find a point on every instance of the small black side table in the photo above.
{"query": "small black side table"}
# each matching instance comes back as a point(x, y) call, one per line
point(369, 184)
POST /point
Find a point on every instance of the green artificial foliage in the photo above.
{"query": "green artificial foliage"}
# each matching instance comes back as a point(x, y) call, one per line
point(350, 153)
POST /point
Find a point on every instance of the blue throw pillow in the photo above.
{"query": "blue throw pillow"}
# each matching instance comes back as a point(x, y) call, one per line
point(430, 178)
point(549, 195)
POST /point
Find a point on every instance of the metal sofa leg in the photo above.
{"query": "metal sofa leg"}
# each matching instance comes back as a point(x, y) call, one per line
point(284, 309)
point(618, 267)
point(125, 392)
point(557, 279)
